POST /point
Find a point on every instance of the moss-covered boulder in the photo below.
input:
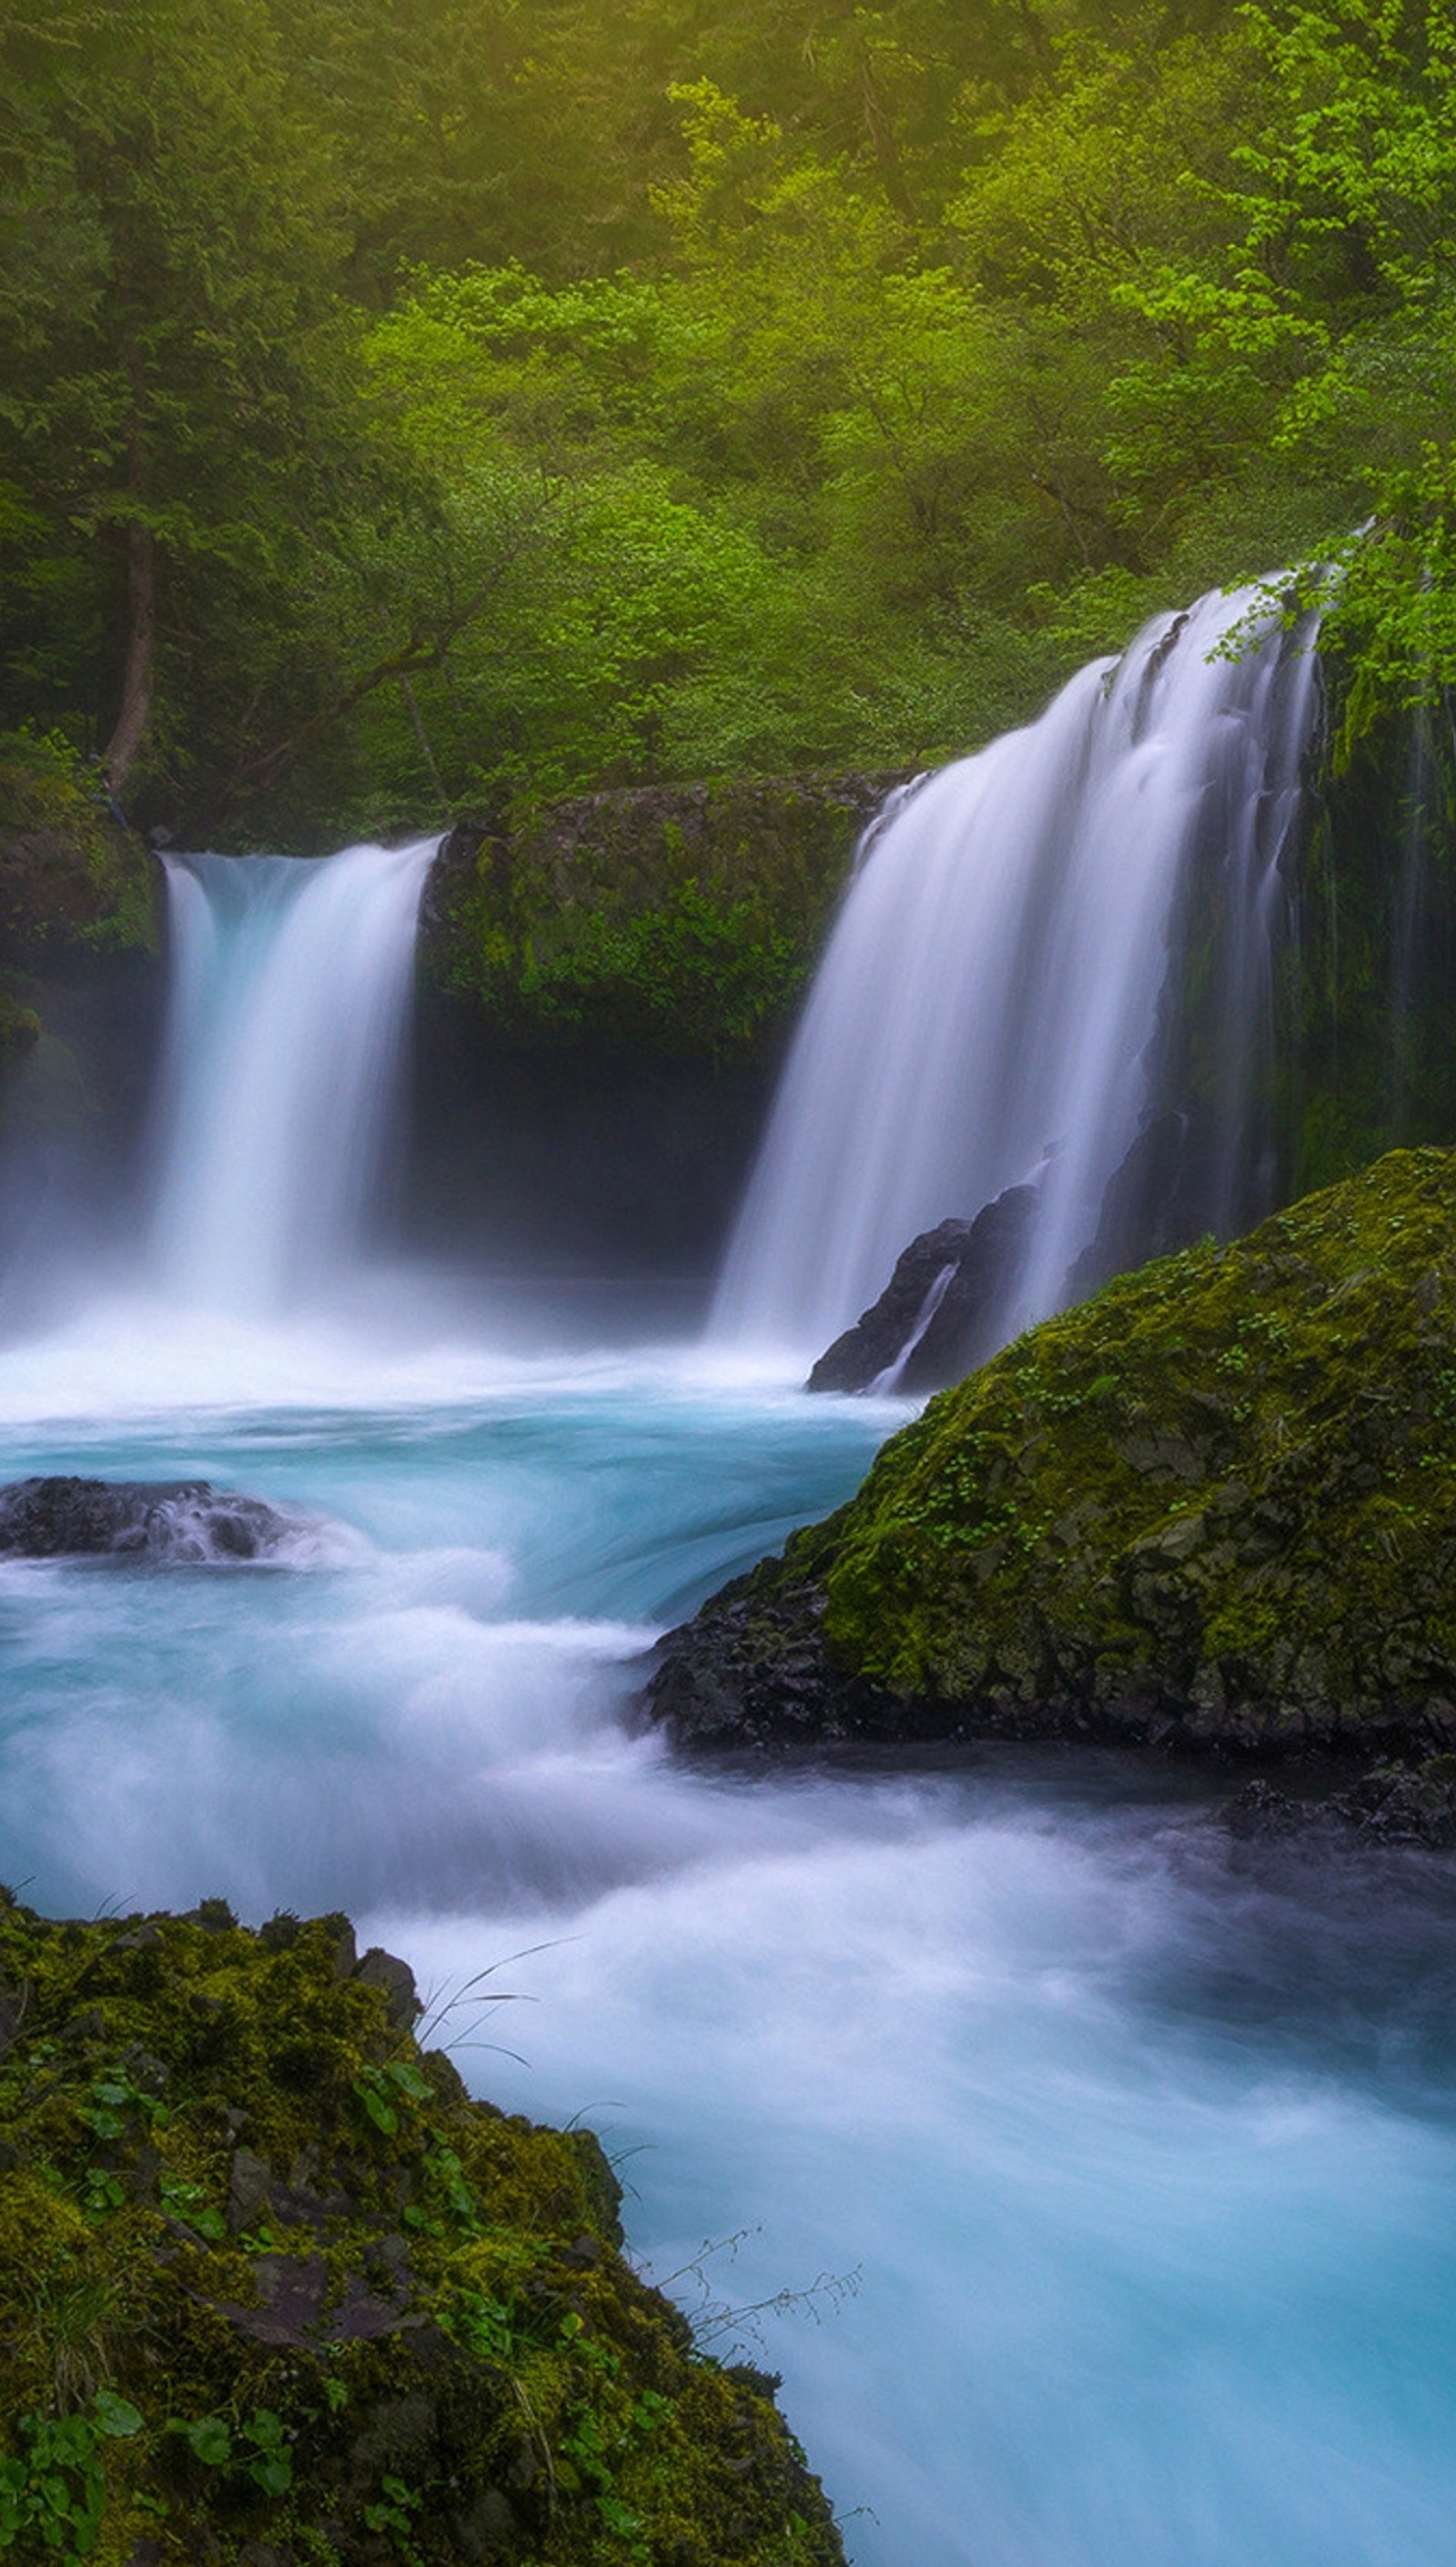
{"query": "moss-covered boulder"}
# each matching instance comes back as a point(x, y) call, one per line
point(1213, 1508)
point(685, 917)
point(274, 2291)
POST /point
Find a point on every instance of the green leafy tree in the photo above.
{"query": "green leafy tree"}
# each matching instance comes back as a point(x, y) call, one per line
point(177, 381)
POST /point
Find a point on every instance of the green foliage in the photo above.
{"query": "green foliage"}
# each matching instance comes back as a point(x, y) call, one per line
point(53, 2494)
point(689, 972)
point(504, 402)
point(683, 922)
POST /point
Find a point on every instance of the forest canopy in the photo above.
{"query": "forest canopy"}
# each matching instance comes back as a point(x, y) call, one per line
point(411, 403)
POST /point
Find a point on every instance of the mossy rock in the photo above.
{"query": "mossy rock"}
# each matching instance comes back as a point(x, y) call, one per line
point(71, 877)
point(75, 887)
point(1365, 976)
point(683, 919)
point(274, 2293)
point(1214, 1508)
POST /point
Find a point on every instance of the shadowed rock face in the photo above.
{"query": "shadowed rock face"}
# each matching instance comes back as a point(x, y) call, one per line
point(156, 1520)
point(937, 1317)
point(1215, 1509)
point(1162, 1198)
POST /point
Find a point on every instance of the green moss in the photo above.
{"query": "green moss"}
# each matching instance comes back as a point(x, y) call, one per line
point(1367, 977)
point(689, 974)
point(1216, 1505)
point(69, 874)
point(679, 919)
point(272, 2288)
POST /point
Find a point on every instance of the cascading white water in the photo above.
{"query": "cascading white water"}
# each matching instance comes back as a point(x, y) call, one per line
point(991, 1000)
point(290, 988)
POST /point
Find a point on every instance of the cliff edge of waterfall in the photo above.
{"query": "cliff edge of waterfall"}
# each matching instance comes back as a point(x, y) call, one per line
point(273, 2289)
point(683, 919)
point(1214, 1509)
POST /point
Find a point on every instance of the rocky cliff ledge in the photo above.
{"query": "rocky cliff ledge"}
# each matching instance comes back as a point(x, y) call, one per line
point(1215, 1507)
point(683, 917)
point(274, 2293)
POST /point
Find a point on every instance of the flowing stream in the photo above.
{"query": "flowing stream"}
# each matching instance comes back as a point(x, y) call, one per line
point(1091, 2173)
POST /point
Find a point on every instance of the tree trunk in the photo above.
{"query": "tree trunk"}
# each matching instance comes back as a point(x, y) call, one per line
point(119, 753)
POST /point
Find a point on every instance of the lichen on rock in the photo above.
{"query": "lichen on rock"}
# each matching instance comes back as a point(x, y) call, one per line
point(1213, 1508)
point(275, 2293)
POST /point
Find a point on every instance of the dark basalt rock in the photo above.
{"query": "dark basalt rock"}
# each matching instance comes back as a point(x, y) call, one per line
point(755, 1675)
point(936, 1318)
point(1399, 1804)
point(1214, 1510)
point(154, 1520)
point(1161, 1198)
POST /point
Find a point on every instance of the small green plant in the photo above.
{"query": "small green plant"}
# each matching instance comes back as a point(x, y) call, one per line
point(259, 2447)
point(485, 2327)
point(382, 2091)
point(445, 2178)
point(115, 2099)
point(54, 2490)
point(186, 2203)
point(394, 2513)
point(103, 2194)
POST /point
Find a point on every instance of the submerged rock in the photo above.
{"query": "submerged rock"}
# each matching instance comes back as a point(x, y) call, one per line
point(1399, 1804)
point(937, 1314)
point(1214, 1508)
point(154, 1520)
point(272, 2288)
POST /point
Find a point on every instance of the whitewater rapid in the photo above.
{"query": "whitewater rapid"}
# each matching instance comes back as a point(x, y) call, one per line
point(1108, 2164)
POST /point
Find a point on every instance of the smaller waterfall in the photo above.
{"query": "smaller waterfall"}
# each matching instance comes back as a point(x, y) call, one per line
point(996, 1005)
point(291, 981)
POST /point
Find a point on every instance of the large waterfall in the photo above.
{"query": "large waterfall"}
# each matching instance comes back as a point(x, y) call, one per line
point(290, 985)
point(1004, 1001)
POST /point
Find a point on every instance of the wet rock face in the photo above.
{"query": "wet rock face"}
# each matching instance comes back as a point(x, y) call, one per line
point(1215, 1510)
point(156, 1520)
point(936, 1316)
point(754, 1675)
point(1162, 1197)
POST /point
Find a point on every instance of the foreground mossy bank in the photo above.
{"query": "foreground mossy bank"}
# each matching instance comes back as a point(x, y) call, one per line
point(1214, 1506)
point(273, 2291)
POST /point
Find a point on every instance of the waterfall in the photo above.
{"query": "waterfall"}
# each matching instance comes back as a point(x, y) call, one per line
point(291, 981)
point(1010, 993)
